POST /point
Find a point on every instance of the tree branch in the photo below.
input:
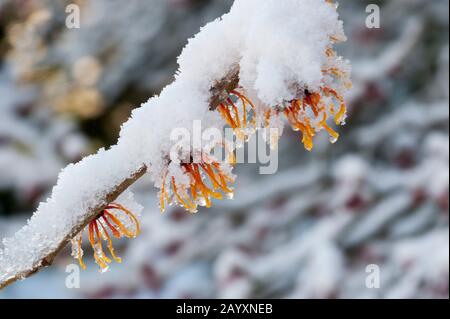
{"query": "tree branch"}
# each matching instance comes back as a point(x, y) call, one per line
point(219, 93)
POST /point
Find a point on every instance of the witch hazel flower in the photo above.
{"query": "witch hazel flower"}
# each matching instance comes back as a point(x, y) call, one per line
point(114, 219)
point(199, 184)
point(239, 114)
point(262, 64)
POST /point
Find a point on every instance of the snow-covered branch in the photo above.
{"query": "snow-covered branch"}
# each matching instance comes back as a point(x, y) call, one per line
point(259, 65)
point(31, 256)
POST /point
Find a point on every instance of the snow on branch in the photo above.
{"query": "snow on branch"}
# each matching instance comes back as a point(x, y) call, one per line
point(263, 63)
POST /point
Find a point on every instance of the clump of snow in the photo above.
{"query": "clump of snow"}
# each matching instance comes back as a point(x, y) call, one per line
point(280, 48)
point(285, 46)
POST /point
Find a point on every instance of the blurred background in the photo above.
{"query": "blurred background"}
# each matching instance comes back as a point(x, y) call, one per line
point(379, 196)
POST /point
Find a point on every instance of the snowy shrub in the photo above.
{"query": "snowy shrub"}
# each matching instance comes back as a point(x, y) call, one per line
point(263, 63)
